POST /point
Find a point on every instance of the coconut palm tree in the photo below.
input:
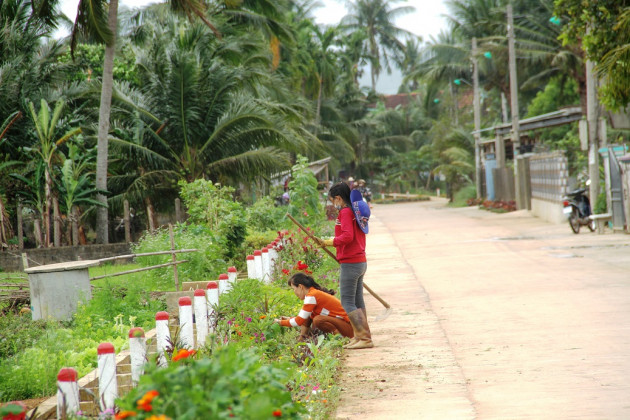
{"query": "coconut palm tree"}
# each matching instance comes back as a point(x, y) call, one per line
point(199, 116)
point(99, 19)
point(376, 18)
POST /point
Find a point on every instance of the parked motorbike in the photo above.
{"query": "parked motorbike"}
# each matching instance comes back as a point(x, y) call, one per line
point(577, 208)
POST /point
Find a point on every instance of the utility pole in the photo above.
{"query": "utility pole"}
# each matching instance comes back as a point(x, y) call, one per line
point(477, 117)
point(516, 139)
point(591, 119)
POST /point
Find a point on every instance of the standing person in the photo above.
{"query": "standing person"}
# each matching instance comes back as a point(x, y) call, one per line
point(321, 309)
point(350, 229)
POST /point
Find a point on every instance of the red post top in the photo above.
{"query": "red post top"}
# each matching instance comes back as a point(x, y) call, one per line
point(200, 292)
point(185, 301)
point(136, 332)
point(161, 316)
point(212, 285)
point(265, 250)
point(223, 276)
point(250, 257)
point(105, 348)
point(232, 269)
point(17, 416)
point(67, 375)
point(258, 252)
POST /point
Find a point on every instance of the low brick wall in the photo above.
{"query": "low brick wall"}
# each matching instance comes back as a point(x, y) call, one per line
point(12, 260)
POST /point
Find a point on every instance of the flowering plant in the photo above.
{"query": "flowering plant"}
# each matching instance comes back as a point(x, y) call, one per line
point(232, 383)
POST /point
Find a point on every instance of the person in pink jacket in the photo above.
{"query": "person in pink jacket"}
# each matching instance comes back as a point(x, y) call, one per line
point(350, 229)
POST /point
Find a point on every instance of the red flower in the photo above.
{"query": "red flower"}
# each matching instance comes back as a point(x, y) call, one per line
point(300, 266)
point(124, 414)
point(285, 271)
point(277, 413)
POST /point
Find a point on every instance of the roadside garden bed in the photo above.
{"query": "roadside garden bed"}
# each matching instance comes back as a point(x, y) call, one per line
point(249, 365)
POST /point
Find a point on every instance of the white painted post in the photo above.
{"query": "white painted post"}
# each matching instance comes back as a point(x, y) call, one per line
point(273, 255)
point(266, 265)
point(223, 283)
point(138, 353)
point(186, 337)
point(212, 297)
point(163, 336)
point(67, 392)
point(201, 316)
point(232, 273)
point(251, 267)
point(107, 384)
point(258, 264)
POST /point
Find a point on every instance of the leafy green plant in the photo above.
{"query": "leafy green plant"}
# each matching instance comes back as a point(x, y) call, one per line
point(263, 215)
point(305, 203)
point(213, 205)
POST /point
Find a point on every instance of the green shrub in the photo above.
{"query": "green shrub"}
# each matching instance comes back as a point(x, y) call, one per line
point(461, 197)
point(20, 332)
point(305, 205)
point(214, 206)
point(233, 383)
point(263, 216)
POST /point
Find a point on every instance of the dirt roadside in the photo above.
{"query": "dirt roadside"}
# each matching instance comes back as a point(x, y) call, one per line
point(495, 316)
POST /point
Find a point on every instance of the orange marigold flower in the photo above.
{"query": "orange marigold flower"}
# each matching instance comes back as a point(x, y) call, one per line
point(263, 316)
point(160, 417)
point(183, 354)
point(124, 414)
point(277, 413)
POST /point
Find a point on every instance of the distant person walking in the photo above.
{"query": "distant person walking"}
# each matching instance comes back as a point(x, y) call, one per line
point(350, 229)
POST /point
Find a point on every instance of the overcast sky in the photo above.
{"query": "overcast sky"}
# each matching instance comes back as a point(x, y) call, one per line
point(426, 21)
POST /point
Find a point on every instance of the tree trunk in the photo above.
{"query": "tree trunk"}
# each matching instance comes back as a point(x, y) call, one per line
point(47, 205)
point(103, 127)
point(75, 226)
point(319, 105)
point(56, 223)
point(150, 213)
point(37, 231)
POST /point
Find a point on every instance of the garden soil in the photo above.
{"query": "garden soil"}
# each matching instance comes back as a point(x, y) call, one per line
point(495, 316)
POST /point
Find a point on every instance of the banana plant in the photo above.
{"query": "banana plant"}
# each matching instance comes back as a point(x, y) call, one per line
point(46, 127)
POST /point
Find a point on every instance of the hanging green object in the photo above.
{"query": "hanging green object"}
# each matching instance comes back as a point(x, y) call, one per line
point(457, 82)
point(436, 101)
point(555, 20)
point(487, 54)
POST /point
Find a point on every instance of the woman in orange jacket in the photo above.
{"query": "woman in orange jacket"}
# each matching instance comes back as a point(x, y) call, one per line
point(321, 309)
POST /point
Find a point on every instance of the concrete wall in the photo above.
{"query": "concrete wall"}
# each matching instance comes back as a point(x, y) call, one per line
point(548, 210)
point(12, 260)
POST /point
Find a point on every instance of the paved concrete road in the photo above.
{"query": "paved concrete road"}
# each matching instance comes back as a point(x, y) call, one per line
point(506, 317)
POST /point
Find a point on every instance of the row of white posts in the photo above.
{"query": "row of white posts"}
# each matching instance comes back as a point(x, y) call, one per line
point(259, 266)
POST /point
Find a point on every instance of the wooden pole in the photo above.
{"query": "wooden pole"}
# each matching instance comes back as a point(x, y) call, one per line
point(178, 210)
point(174, 256)
point(137, 270)
point(127, 221)
point(477, 117)
point(516, 136)
point(592, 111)
point(20, 228)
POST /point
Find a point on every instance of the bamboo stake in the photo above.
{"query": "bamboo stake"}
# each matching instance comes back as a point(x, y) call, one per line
point(137, 270)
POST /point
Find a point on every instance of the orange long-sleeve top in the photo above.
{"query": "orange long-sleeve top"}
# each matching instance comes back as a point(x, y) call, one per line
point(316, 303)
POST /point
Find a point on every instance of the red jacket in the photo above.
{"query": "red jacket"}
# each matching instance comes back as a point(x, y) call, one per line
point(349, 238)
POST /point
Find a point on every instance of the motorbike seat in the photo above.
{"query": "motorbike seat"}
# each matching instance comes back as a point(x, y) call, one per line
point(577, 192)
